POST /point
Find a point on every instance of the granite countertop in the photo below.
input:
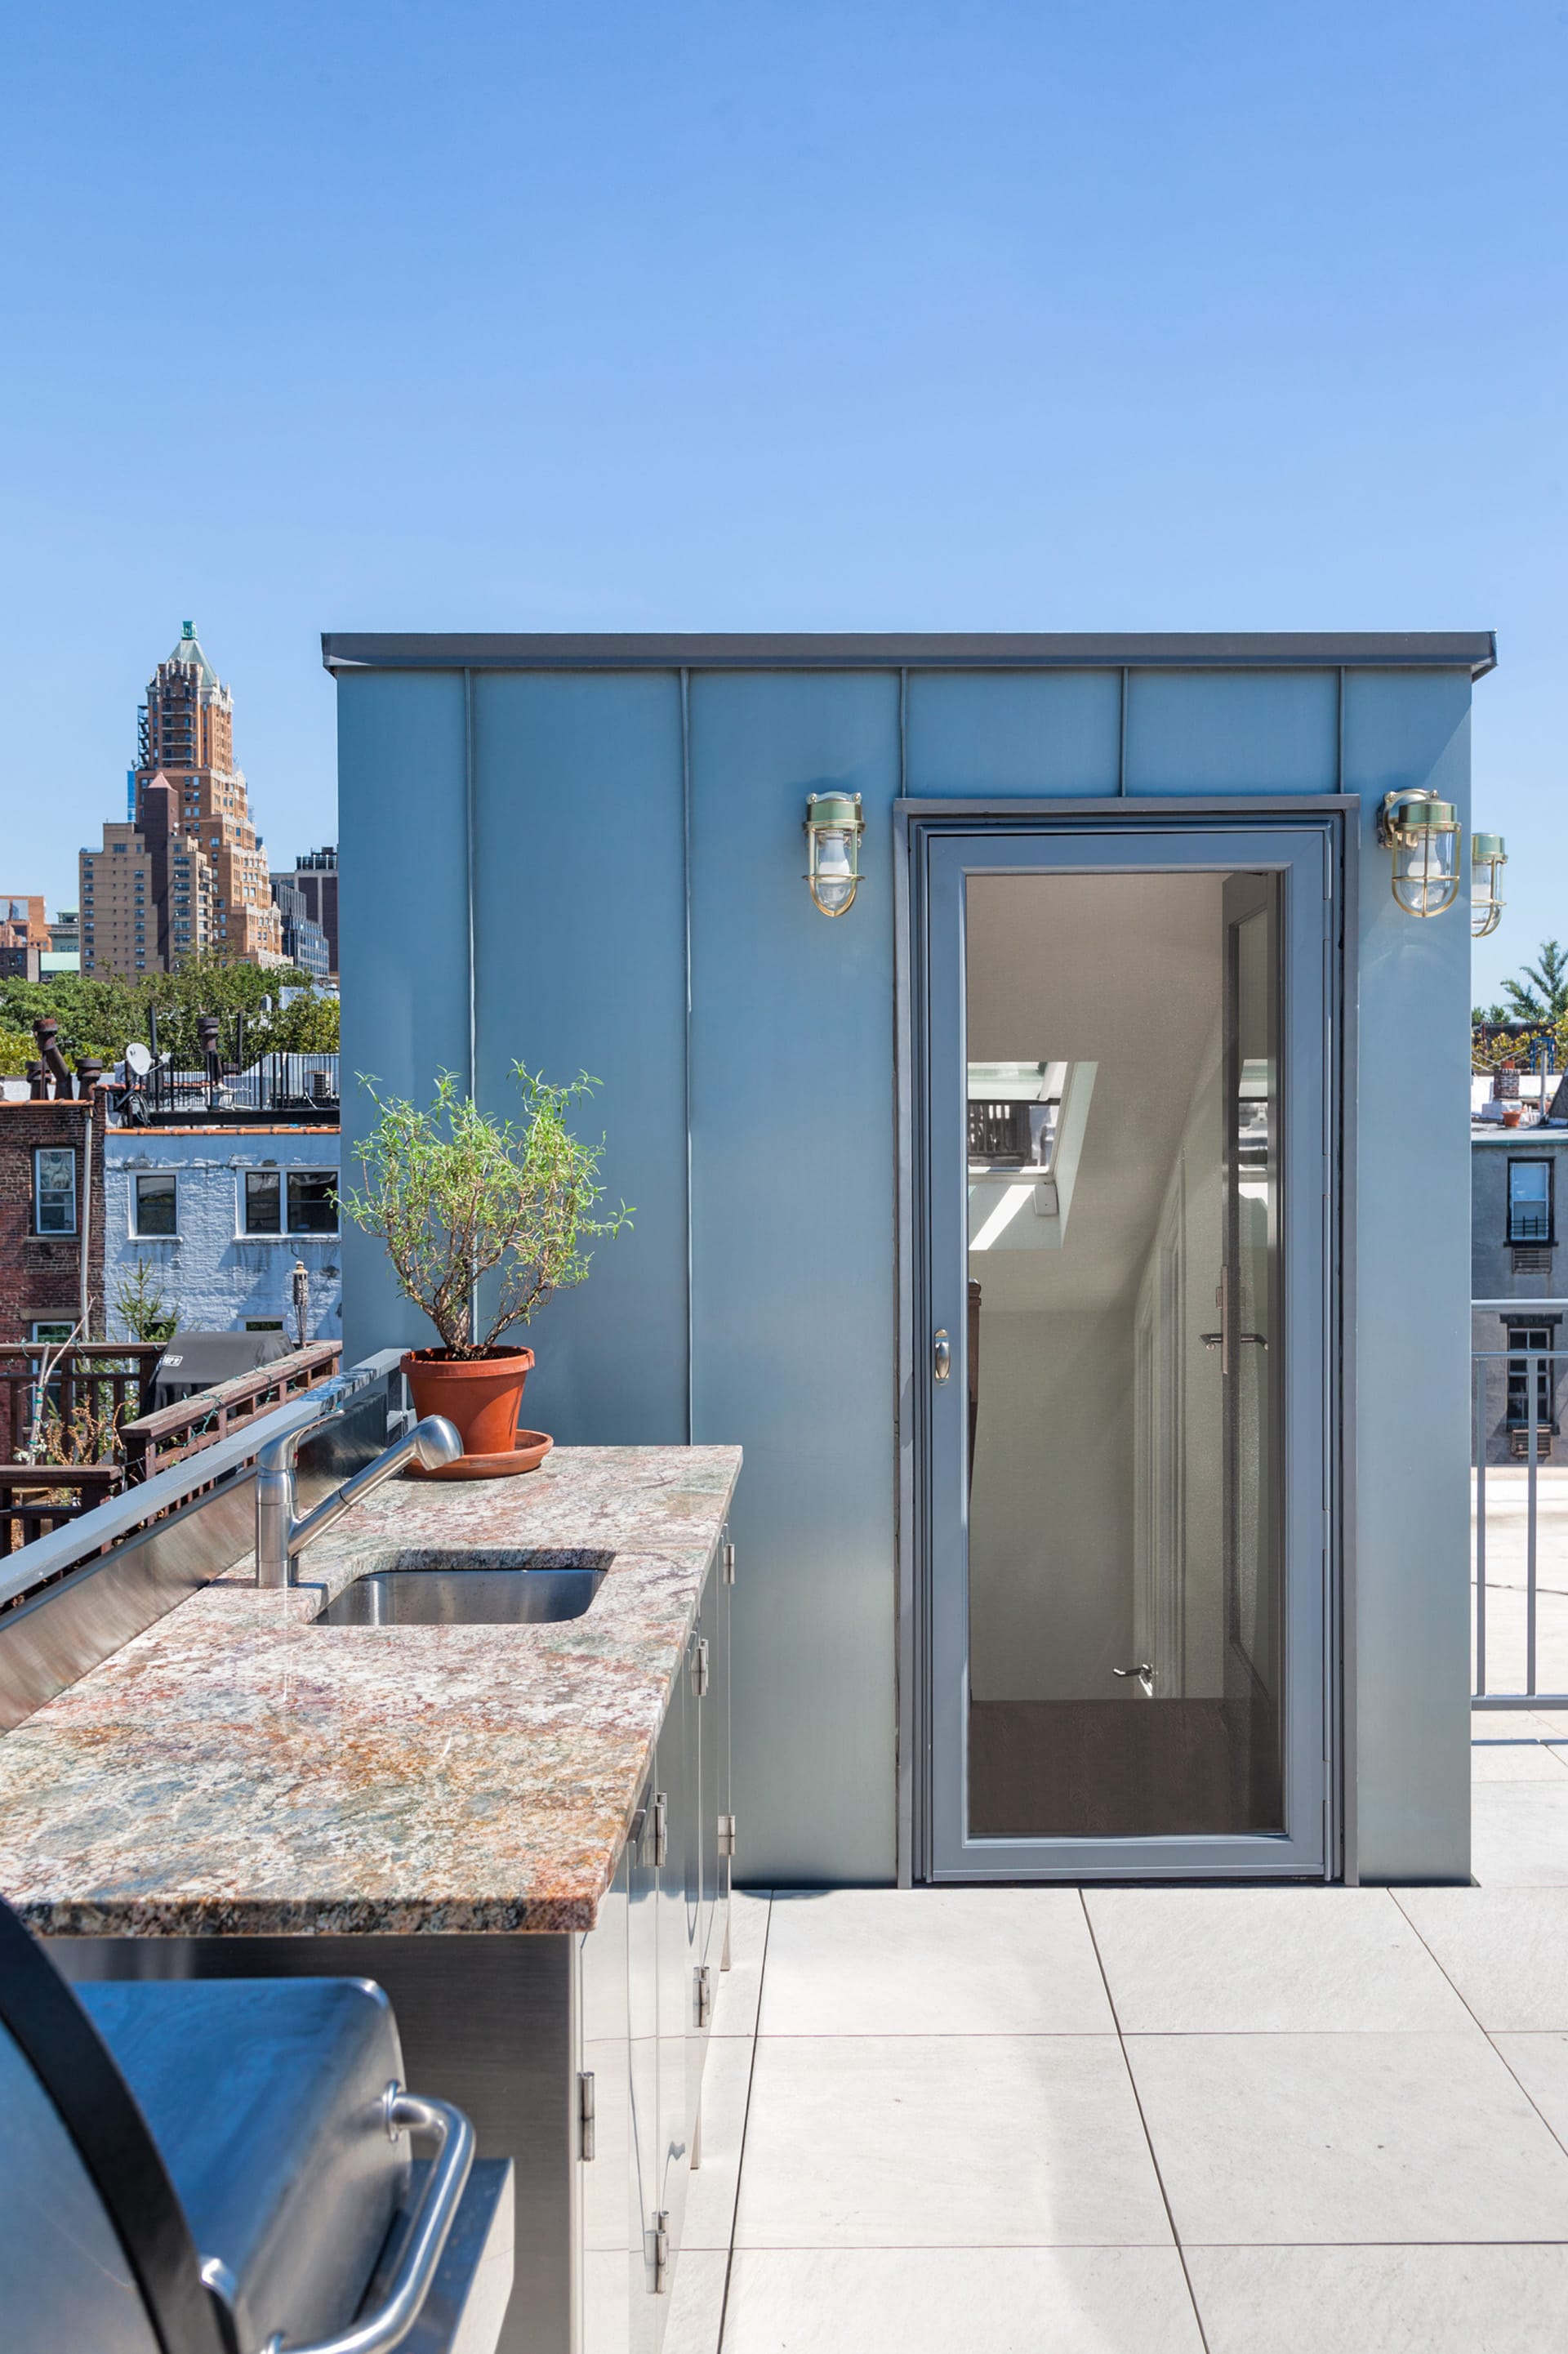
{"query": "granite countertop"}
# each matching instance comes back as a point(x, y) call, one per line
point(235, 1771)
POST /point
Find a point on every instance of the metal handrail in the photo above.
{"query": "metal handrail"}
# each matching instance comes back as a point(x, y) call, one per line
point(1534, 1361)
point(93, 1532)
point(393, 2318)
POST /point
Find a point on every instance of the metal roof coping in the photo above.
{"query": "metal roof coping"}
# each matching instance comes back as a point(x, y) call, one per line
point(1471, 649)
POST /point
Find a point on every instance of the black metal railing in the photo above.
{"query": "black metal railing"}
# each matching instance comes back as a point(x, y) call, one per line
point(292, 1086)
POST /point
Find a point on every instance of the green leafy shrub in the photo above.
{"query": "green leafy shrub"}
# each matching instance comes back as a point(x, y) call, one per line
point(457, 1197)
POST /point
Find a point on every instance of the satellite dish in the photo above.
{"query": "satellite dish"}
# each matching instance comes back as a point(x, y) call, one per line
point(138, 1059)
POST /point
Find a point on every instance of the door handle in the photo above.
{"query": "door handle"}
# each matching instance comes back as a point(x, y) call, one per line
point(1145, 1674)
point(941, 1356)
point(1224, 1339)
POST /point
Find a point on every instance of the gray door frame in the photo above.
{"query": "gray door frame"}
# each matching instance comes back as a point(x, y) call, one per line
point(1141, 834)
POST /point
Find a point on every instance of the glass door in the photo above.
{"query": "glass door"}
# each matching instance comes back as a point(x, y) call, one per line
point(1126, 1151)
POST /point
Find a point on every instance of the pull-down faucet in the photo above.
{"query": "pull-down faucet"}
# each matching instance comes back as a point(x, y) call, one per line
point(280, 1534)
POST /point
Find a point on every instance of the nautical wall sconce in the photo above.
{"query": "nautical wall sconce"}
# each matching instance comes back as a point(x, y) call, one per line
point(834, 828)
point(1424, 834)
point(1487, 859)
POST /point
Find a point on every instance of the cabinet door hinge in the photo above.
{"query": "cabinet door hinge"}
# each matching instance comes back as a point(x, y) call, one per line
point(660, 1827)
point(587, 2137)
point(726, 1835)
point(662, 2252)
point(728, 1562)
point(705, 1996)
point(700, 1667)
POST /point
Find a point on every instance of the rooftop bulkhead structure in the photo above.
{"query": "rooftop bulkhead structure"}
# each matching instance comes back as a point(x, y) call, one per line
point(1073, 1231)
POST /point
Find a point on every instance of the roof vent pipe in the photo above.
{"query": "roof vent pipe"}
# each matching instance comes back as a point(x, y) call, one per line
point(45, 1030)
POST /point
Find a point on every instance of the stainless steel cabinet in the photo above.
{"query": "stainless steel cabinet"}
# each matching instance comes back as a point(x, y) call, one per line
point(649, 1974)
point(605, 2123)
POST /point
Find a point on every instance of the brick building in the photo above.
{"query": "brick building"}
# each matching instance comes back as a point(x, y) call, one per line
point(119, 912)
point(203, 867)
point(24, 936)
point(218, 1214)
point(47, 1219)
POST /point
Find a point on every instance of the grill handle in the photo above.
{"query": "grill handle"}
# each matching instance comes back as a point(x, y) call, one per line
point(379, 2332)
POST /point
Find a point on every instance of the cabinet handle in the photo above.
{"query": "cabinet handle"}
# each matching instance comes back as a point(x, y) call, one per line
point(705, 1996)
point(700, 1667)
point(587, 2121)
point(941, 1356)
point(662, 2252)
point(661, 1828)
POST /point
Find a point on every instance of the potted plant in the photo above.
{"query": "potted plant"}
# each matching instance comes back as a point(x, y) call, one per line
point(461, 1201)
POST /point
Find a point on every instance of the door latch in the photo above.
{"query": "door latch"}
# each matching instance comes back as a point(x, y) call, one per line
point(941, 1356)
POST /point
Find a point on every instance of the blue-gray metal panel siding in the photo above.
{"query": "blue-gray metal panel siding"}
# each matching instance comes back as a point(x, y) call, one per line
point(580, 946)
point(403, 937)
point(993, 732)
point(1413, 1309)
point(792, 1201)
point(792, 1148)
point(1232, 732)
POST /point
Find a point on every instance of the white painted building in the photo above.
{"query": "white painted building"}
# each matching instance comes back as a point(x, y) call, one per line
point(219, 1214)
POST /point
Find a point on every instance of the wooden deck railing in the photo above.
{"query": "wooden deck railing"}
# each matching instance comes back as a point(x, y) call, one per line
point(35, 1498)
point(153, 1441)
point(114, 1378)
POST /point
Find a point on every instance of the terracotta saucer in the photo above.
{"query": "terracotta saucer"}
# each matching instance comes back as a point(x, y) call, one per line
point(529, 1452)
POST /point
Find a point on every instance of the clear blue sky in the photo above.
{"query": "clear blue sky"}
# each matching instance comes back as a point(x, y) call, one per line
point(821, 314)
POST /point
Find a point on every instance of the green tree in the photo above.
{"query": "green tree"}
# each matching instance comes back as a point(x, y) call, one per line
point(101, 1015)
point(143, 1305)
point(1540, 992)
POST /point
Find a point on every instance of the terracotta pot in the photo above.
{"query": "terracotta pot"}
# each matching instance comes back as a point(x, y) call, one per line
point(1510, 1114)
point(482, 1395)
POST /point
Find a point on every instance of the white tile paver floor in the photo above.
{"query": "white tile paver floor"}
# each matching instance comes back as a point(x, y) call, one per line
point(1149, 2121)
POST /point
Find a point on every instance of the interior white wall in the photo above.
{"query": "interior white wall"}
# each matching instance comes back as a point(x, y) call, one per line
point(1052, 1513)
point(1181, 1571)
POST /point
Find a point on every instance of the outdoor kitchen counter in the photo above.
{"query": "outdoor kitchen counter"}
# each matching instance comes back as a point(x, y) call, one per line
point(238, 1771)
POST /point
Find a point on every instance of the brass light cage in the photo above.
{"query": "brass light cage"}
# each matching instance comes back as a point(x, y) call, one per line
point(1487, 858)
point(1423, 832)
point(834, 828)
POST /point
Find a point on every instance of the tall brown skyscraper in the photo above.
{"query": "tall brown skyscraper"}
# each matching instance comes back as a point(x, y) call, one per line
point(188, 871)
point(186, 742)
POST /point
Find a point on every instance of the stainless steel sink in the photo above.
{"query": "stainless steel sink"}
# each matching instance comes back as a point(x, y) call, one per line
point(527, 1590)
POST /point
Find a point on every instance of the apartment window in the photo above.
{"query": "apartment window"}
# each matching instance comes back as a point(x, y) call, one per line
point(52, 1331)
point(1530, 1336)
point(156, 1206)
point(313, 1201)
point(1529, 1202)
point(307, 1198)
point(54, 1190)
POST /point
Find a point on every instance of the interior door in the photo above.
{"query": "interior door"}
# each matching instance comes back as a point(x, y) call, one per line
point(1125, 1156)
